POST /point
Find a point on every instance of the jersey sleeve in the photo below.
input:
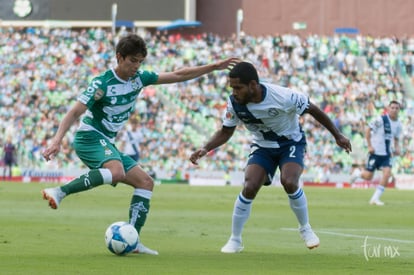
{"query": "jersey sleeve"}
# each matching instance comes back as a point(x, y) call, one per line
point(298, 102)
point(230, 118)
point(94, 92)
point(148, 77)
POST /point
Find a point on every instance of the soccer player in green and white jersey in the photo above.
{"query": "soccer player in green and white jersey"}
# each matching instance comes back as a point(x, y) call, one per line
point(106, 106)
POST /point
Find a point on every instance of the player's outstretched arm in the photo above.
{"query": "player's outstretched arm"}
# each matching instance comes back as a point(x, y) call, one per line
point(188, 73)
point(323, 119)
point(219, 138)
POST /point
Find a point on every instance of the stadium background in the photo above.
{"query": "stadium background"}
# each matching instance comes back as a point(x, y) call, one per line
point(260, 18)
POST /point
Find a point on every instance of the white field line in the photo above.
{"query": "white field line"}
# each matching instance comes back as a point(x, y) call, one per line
point(355, 236)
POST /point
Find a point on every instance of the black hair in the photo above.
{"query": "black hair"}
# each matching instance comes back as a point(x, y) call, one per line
point(394, 102)
point(245, 71)
point(131, 44)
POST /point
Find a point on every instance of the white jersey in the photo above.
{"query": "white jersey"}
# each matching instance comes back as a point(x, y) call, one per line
point(132, 140)
point(272, 121)
point(381, 141)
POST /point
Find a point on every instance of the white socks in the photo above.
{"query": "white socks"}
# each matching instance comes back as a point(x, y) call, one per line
point(106, 175)
point(378, 192)
point(242, 208)
point(143, 193)
point(241, 212)
point(299, 205)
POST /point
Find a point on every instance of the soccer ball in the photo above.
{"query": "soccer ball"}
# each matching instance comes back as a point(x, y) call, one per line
point(121, 238)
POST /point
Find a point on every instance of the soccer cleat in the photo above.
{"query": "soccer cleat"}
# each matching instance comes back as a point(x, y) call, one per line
point(142, 249)
point(54, 196)
point(376, 202)
point(232, 246)
point(310, 238)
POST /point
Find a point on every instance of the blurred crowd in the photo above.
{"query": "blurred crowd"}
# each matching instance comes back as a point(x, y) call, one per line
point(351, 78)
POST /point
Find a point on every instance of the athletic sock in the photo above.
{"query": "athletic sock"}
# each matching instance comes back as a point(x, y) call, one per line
point(88, 181)
point(378, 192)
point(241, 213)
point(299, 205)
point(139, 208)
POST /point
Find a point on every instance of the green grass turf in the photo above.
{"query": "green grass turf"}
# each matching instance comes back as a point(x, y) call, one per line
point(188, 225)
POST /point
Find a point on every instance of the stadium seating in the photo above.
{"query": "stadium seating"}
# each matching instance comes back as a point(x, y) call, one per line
point(349, 77)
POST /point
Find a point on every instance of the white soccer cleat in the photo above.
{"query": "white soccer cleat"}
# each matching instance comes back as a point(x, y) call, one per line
point(376, 202)
point(310, 238)
point(54, 196)
point(142, 249)
point(232, 246)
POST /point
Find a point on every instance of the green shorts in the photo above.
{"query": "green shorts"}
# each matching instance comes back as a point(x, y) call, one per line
point(94, 150)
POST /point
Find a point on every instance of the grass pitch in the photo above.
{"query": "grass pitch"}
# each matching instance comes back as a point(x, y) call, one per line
point(188, 226)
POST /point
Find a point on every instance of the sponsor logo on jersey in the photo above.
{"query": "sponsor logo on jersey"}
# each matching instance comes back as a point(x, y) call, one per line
point(273, 112)
point(112, 90)
point(98, 94)
point(108, 152)
point(297, 101)
point(253, 127)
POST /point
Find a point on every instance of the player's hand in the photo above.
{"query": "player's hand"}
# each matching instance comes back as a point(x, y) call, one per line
point(344, 143)
point(197, 155)
point(371, 149)
point(397, 152)
point(227, 63)
point(51, 151)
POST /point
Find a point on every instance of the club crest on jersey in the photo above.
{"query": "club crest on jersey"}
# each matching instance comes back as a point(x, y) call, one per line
point(273, 112)
point(229, 115)
point(98, 94)
point(134, 84)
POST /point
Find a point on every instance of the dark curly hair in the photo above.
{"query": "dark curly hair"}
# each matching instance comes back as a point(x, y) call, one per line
point(245, 71)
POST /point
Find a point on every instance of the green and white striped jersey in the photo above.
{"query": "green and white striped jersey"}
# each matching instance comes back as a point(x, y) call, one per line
point(111, 101)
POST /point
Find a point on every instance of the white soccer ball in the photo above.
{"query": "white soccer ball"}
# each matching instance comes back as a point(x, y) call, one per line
point(121, 238)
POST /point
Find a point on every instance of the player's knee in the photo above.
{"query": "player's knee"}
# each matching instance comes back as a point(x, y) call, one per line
point(147, 183)
point(290, 184)
point(367, 175)
point(386, 172)
point(249, 191)
point(118, 175)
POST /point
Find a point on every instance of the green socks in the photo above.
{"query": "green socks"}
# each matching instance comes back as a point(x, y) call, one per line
point(140, 202)
point(138, 211)
point(88, 181)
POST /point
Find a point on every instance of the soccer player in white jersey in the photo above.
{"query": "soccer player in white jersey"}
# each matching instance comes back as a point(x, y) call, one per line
point(382, 136)
point(271, 114)
point(131, 139)
point(106, 106)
